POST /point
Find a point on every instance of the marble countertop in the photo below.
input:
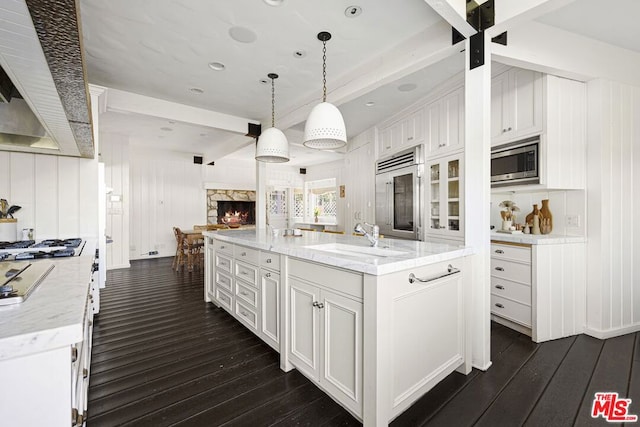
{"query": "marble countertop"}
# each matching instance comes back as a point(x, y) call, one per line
point(539, 239)
point(52, 316)
point(413, 253)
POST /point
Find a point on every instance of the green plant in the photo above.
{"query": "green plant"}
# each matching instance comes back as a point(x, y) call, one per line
point(316, 211)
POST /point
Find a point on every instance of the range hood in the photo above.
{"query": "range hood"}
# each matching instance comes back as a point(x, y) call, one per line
point(45, 104)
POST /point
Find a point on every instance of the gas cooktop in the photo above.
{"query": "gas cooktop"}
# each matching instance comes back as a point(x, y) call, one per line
point(51, 248)
point(19, 279)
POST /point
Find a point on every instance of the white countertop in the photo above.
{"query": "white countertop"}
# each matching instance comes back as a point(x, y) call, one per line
point(415, 254)
point(52, 316)
point(537, 239)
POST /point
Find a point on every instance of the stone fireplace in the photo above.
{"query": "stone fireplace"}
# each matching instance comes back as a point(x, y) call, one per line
point(234, 206)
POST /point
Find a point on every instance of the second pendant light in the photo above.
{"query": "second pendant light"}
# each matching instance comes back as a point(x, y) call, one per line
point(272, 146)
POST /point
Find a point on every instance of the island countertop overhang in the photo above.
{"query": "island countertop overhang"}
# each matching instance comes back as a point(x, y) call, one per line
point(414, 253)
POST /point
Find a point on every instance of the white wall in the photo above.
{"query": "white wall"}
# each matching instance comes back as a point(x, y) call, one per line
point(613, 200)
point(57, 194)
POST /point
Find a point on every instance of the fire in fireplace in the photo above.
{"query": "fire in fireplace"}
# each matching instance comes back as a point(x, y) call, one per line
point(236, 212)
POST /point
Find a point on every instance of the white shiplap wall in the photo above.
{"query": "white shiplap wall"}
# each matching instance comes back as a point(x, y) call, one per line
point(613, 201)
point(57, 194)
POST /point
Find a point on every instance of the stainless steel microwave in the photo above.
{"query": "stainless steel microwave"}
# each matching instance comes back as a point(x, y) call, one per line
point(515, 164)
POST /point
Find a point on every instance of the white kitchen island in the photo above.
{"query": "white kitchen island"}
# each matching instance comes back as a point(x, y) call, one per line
point(45, 347)
point(348, 316)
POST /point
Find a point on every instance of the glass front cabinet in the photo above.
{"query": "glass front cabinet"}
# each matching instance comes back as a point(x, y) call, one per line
point(445, 196)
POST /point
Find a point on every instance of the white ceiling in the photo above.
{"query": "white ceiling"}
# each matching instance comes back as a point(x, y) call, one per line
point(162, 48)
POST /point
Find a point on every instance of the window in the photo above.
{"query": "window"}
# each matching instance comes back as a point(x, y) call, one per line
point(322, 198)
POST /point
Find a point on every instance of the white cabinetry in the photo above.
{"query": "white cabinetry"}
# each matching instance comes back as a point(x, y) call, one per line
point(246, 283)
point(445, 194)
point(326, 329)
point(511, 284)
point(360, 185)
point(516, 105)
point(445, 124)
point(403, 133)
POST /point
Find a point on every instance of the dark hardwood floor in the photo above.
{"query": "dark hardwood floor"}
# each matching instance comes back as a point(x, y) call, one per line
point(162, 356)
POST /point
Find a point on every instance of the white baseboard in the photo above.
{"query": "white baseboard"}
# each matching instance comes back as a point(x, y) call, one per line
point(603, 334)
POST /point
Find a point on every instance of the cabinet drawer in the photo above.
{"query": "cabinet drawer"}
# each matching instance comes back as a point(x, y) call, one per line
point(224, 299)
point(247, 315)
point(514, 311)
point(509, 252)
point(242, 253)
point(510, 270)
point(223, 263)
point(332, 278)
point(223, 281)
point(270, 260)
point(246, 272)
point(225, 247)
point(511, 290)
point(247, 293)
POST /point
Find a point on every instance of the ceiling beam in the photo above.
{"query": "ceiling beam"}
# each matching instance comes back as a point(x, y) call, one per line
point(119, 101)
point(510, 14)
point(529, 48)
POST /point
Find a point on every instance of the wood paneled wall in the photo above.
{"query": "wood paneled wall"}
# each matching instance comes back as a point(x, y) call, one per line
point(613, 201)
point(57, 194)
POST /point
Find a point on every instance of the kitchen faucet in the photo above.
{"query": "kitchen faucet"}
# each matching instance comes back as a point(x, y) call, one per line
point(375, 232)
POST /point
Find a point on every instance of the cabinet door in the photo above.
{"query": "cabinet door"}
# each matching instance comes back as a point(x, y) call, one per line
point(452, 121)
point(342, 350)
point(304, 349)
point(432, 119)
point(527, 100)
point(412, 129)
point(386, 142)
point(446, 195)
point(270, 308)
point(501, 106)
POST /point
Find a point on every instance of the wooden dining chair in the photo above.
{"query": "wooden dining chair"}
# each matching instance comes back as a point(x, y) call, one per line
point(179, 258)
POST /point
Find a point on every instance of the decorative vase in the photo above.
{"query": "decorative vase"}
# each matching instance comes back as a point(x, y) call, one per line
point(316, 219)
point(526, 230)
point(529, 218)
point(506, 224)
point(536, 225)
point(548, 217)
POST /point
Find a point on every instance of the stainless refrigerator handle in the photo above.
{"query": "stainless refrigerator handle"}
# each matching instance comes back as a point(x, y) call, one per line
point(389, 203)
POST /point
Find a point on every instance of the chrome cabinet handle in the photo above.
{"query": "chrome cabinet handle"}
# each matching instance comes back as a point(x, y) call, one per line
point(499, 268)
point(243, 254)
point(244, 313)
point(267, 275)
point(244, 293)
point(268, 261)
point(451, 270)
point(222, 247)
point(318, 304)
point(499, 251)
point(500, 287)
point(499, 305)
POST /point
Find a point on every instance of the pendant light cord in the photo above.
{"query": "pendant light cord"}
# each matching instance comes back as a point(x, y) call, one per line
point(273, 103)
point(324, 71)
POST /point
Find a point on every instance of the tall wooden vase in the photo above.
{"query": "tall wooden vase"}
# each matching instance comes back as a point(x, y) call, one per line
point(547, 215)
point(529, 218)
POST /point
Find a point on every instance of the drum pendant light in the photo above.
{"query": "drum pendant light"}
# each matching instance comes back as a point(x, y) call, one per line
point(272, 146)
point(324, 129)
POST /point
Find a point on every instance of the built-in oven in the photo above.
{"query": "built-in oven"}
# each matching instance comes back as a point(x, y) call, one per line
point(515, 164)
point(398, 189)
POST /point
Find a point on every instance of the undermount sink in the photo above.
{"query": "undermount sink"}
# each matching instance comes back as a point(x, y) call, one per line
point(355, 250)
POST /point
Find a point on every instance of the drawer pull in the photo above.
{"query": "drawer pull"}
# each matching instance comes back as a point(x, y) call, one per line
point(499, 251)
point(499, 305)
point(318, 304)
point(244, 293)
point(268, 260)
point(85, 373)
point(500, 287)
point(451, 270)
point(244, 313)
point(499, 268)
point(267, 275)
point(243, 254)
point(222, 247)
point(74, 353)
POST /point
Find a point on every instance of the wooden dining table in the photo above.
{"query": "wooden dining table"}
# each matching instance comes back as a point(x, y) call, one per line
point(193, 237)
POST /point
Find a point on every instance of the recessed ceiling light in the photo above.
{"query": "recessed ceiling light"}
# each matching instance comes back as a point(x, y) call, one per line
point(299, 54)
point(242, 34)
point(407, 87)
point(196, 90)
point(352, 11)
point(217, 66)
point(370, 104)
point(166, 129)
point(264, 81)
point(274, 2)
